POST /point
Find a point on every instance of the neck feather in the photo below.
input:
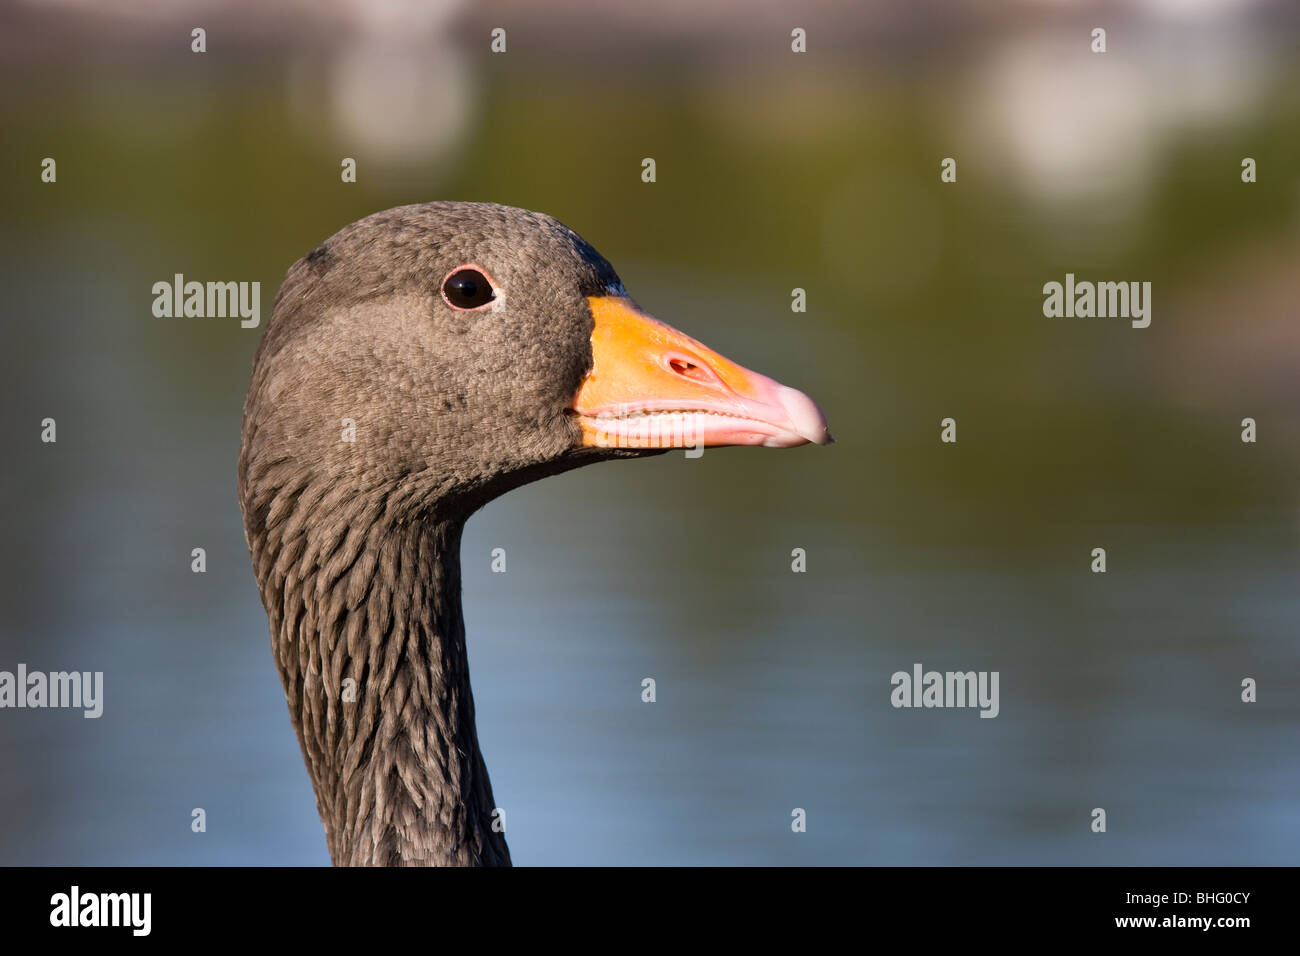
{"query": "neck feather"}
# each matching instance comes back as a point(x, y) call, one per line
point(369, 638)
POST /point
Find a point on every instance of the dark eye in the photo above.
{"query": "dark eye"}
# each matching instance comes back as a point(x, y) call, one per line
point(467, 289)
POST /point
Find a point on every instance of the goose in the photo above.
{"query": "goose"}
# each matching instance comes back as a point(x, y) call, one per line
point(417, 364)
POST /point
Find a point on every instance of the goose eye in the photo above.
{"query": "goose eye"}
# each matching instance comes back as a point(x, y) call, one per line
point(467, 289)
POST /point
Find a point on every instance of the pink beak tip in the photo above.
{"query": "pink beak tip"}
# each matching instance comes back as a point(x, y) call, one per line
point(808, 421)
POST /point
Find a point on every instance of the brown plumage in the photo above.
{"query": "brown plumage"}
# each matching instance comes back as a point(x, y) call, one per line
point(355, 543)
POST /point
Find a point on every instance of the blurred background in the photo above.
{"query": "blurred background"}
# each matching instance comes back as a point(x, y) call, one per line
point(775, 170)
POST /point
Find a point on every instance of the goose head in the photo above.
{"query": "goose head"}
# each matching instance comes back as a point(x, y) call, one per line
point(417, 364)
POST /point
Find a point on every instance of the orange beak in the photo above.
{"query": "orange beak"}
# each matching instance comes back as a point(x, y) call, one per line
point(650, 386)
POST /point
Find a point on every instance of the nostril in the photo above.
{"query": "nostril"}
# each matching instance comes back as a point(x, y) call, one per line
point(692, 370)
